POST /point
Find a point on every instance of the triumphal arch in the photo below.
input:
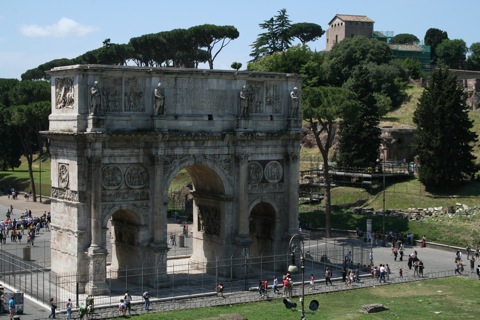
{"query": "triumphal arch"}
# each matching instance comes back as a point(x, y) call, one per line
point(118, 137)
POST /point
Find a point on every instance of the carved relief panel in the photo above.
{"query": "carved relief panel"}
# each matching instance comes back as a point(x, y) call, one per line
point(133, 96)
point(64, 93)
point(124, 182)
point(265, 175)
point(256, 92)
point(272, 98)
point(209, 220)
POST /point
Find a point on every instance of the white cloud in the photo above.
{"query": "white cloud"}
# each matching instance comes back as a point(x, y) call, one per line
point(65, 27)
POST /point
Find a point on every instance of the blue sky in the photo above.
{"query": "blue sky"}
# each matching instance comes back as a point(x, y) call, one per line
point(33, 32)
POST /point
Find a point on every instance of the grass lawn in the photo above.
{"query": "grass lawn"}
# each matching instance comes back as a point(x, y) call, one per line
point(447, 298)
point(19, 178)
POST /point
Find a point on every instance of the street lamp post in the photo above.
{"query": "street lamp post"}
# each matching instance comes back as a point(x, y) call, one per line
point(383, 216)
point(40, 159)
point(297, 245)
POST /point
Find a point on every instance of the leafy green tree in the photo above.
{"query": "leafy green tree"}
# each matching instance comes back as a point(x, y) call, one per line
point(473, 60)
point(389, 80)
point(444, 136)
point(277, 37)
point(451, 53)
point(208, 36)
point(322, 107)
point(413, 67)
point(404, 38)
point(26, 92)
point(359, 132)
point(28, 121)
point(150, 50)
point(11, 149)
point(109, 53)
point(40, 72)
point(6, 85)
point(21, 122)
point(306, 32)
point(351, 52)
point(433, 37)
point(236, 65)
point(291, 60)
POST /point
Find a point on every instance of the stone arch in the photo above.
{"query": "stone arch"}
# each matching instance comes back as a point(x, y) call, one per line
point(263, 227)
point(129, 232)
point(222, 184)
point(213, 208)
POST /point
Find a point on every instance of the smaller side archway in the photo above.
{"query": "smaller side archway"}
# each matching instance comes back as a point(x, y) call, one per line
point(262, 229)
point(129, 235)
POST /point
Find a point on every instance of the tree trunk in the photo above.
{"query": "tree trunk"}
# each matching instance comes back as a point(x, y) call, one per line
point(327, 198)
point(30, 174)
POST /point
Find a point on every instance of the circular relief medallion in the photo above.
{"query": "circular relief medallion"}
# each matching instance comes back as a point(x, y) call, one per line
point(111, 177)
point(63, 176)
point(255, 172)
point(273, 172)
point(136, 176)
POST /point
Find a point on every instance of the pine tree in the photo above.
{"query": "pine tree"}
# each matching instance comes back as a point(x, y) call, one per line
point(359, 133)
point(444, 135)
point(277, 37)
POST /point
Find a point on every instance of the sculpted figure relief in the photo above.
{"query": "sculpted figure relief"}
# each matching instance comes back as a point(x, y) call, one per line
point(159, 95)
point(244, 103)
point(295, 102)
point(96, 98)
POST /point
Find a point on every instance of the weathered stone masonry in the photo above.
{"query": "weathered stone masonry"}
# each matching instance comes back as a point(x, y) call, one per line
point(116, 149)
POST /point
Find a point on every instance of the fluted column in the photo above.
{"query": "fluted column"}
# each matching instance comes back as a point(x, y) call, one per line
point(159, 202)
point(243, 236)
point(97, 252)
point(243, 214)
point(96, 201)
point(292, 191)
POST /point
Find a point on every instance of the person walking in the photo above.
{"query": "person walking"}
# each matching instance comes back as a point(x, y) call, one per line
point(312, 282)
point(11, 308)
point(275, 286)
point(53, 307)
point(328, 276)
point(146, 298)
point(68, 307)
point(128, 299)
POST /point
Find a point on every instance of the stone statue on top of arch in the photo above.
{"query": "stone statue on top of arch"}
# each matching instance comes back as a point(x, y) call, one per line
point(159, 96)
point(96, 99)
point(244, 102)
point(295, 102)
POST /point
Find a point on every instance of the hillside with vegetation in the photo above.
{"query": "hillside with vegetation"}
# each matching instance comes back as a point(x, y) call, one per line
point(454, 229)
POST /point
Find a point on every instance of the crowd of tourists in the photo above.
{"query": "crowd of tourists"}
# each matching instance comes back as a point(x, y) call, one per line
point(23, 228)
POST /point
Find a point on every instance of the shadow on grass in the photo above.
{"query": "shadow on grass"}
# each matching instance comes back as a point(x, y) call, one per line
point(471, 189)
point(12, 180)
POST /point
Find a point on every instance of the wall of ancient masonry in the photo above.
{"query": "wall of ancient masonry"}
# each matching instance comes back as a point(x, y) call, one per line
point(119, 136)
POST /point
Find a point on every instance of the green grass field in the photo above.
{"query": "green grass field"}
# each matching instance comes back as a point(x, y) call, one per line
point(20, 179)
point(447, 298)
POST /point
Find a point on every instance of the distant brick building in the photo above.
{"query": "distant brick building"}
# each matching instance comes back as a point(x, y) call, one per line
point(344, 26)
point(348, 26)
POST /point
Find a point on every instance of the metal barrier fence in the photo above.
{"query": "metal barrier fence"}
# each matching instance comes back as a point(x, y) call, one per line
point(183, 277)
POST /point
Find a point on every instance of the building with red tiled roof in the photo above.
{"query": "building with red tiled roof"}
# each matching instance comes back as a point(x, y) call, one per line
point(348, 26)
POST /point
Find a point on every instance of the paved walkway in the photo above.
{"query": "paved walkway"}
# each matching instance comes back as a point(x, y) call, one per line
point(438, 263)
